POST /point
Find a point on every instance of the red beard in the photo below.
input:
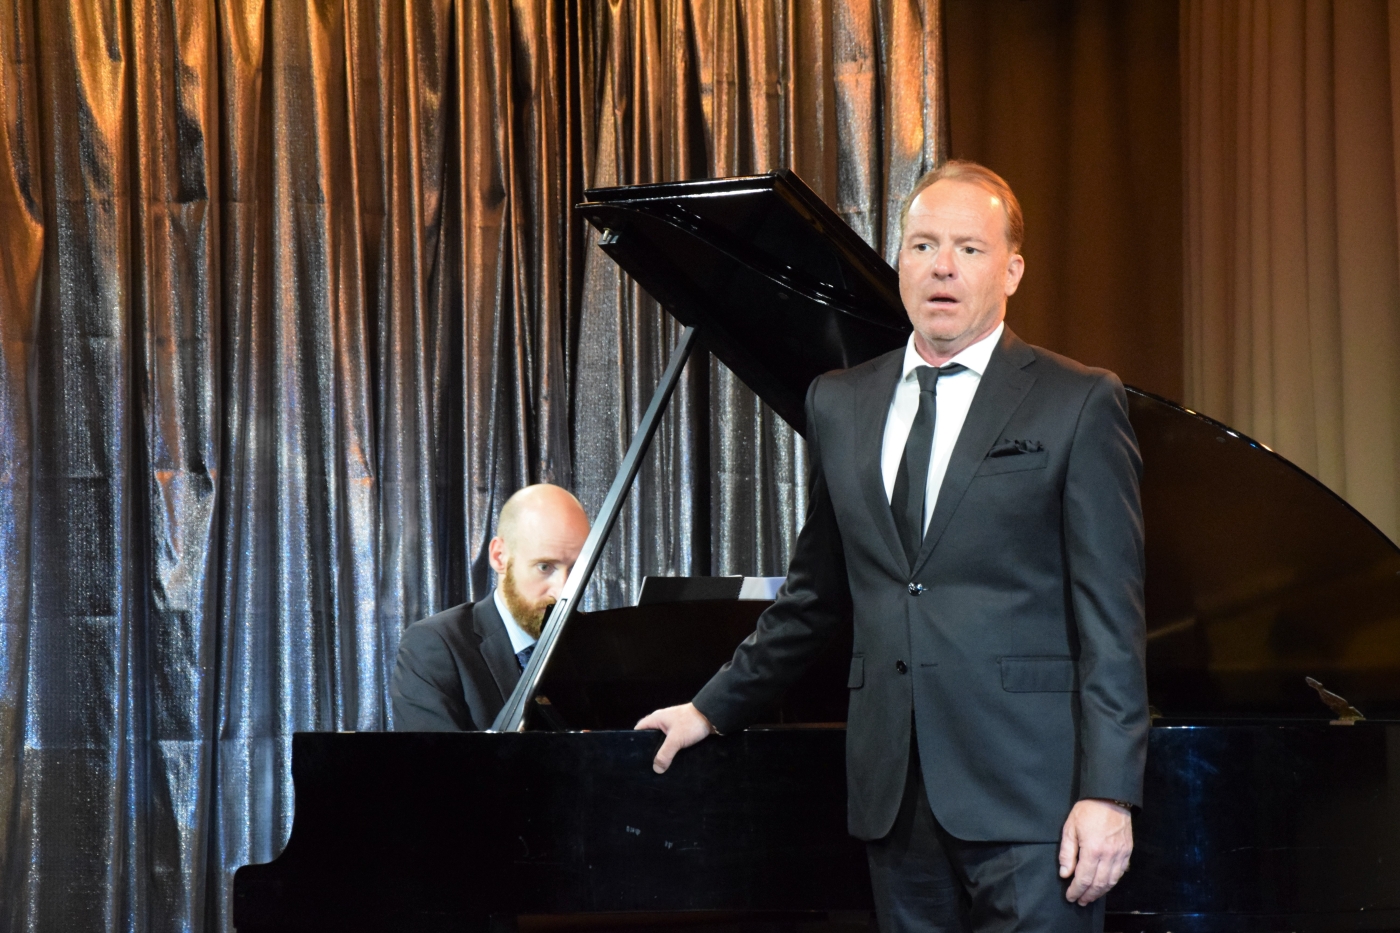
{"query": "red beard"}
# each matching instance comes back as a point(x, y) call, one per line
point(529, 616)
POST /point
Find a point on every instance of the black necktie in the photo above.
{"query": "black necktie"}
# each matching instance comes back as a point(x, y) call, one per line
point(911, 482)
point(523, 655)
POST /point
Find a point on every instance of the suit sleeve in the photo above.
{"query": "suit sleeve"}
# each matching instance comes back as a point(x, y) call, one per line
point(1104, 555)
point(426, 689)
point(809, 609)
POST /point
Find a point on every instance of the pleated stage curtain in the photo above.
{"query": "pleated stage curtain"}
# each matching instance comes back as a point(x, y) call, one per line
point(1292, 222)
point(845, 93)
point(291, 299)
point(1077, 103)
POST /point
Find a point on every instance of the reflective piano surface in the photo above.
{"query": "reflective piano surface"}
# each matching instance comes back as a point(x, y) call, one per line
point(1260, 814)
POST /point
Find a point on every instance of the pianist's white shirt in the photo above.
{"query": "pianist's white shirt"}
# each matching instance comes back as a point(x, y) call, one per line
point(519, 638)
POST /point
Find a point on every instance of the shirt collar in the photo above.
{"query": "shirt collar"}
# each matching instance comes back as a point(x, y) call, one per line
point(519, 638)
point(974, 357)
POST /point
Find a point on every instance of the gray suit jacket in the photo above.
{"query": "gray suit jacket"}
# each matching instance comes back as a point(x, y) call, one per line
point(454, 670)
point(1021, 660)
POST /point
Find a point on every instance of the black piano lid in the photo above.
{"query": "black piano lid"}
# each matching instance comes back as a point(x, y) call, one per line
point(1257, 574)
point(778, 286)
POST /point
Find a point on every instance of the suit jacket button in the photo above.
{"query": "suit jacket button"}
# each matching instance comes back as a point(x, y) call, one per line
point(901, 667)
point(915, 589)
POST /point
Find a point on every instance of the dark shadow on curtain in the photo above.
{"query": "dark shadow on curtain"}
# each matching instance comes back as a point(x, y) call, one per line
point(1078, 104)
point(292, 300)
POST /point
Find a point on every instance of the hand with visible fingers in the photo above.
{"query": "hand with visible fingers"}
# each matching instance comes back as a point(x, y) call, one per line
point(683, 727)
point(1095, 846)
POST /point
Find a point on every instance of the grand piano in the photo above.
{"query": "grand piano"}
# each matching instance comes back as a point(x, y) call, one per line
point(1272, 797)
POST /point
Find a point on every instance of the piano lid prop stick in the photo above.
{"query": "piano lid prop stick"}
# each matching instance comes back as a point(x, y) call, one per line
point(512, 715)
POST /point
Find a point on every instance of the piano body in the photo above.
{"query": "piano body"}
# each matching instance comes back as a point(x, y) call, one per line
point(1264, 808)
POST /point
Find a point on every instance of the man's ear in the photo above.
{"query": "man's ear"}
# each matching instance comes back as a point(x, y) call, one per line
point(496, 551)
point(1015, 268)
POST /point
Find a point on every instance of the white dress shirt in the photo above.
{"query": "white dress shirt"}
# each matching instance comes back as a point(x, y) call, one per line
point(519, 638)
point(955, 393)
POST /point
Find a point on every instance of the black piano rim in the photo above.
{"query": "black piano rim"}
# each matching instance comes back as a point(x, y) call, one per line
point(1380, 921)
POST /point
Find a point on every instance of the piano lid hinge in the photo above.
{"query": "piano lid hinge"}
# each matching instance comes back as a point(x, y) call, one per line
point(1347, 715)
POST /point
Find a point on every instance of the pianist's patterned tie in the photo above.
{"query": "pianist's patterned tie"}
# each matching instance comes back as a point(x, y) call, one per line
point(523, 655)
point(907, 503)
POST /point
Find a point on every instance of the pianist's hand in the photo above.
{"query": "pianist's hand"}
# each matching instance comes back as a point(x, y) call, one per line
point(1094, 846)
point(683, 727)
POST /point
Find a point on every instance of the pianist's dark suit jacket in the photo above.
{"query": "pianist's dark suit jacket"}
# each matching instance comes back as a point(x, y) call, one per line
point(1022, 657)
point(454, 670)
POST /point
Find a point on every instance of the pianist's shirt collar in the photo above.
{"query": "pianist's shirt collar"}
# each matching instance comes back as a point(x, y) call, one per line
point(974, 357)
point(519, 638)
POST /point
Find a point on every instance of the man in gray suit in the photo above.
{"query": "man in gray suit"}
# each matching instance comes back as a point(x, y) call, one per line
point(456, 669)
point(974, 502)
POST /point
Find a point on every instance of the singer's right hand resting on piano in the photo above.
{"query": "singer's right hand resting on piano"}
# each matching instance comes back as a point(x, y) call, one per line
point(683, 727)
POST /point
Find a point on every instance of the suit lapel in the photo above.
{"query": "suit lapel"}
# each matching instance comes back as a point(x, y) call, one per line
point(872, 410)
point(999, 394)
point(495, 644)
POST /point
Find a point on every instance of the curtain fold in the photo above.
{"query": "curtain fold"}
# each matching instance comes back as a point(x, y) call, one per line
point(1292, 252)
point(293, 299)
point(22, 212)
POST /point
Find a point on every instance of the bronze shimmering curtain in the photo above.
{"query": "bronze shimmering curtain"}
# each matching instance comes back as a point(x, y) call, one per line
point(290, 300)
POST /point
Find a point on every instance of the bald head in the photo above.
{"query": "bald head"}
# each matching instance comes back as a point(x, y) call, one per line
point(539, 534)
point(542, 510)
